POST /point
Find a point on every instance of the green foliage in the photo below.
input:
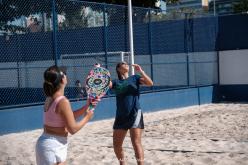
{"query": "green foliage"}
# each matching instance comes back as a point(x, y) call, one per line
point(173, 1)
point(11, 10)
point(14, 9)
point(139, 3)
point(241, 7)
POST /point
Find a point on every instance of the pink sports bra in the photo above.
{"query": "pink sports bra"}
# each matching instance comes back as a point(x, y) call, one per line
point(51, 118)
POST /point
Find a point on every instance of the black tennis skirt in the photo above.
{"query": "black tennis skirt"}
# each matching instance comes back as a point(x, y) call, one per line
point(127, 122)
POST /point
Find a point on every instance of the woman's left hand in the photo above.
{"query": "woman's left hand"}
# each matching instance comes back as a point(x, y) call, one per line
point(137, 68)
point(94, 102)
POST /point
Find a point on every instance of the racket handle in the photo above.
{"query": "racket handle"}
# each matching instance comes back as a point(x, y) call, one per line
point(91, 107)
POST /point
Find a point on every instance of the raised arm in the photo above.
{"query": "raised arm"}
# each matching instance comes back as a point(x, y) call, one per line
point(71, 124)
point(145, 79)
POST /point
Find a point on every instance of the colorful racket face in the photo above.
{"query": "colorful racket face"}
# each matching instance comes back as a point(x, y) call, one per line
point(97, 82)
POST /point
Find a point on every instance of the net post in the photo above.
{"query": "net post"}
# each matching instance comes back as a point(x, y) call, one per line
point(130, 20)
point(122, 57)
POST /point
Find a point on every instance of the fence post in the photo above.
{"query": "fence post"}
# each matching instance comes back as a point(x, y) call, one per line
point(217, 48)
point(150, 42)
point(105, 35)
point(191, 33)
point(18, 61)
point(186, 48)
point(55, 39)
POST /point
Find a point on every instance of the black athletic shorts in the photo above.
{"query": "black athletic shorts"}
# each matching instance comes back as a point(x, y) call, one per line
point(134, 121)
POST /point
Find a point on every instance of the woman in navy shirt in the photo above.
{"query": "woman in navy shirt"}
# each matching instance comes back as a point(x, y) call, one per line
point(129, 115)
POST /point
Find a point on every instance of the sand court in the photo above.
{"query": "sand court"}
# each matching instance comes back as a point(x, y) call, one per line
point(196, 135)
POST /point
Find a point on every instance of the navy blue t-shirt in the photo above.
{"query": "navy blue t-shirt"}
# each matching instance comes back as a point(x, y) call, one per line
point(127, 97)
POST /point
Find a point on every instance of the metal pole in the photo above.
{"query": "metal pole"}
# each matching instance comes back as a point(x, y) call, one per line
point(214, 8)
point(105, 36)
point(186, 46)
point(150, 42)
point(130, 21)
point(55, 39)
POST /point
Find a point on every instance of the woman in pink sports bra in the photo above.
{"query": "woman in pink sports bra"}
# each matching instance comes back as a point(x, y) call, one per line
point(59, 119)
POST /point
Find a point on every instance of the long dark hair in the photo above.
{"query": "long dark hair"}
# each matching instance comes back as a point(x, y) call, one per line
point(52, 79)
point(117, 71)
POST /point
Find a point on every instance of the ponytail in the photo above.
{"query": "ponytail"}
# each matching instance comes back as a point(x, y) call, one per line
point(48, 88)
point(52, 79)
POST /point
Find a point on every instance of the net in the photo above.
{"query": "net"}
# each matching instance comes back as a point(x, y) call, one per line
point(79, 65)
point(89, 59)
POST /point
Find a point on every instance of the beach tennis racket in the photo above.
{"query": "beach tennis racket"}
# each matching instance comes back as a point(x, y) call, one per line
point(97, 83)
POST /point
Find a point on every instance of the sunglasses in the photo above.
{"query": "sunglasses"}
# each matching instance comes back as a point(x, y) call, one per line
point(62, 73)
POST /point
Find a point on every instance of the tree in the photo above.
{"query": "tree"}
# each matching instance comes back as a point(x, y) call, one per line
point(14, 9)
point(137, 3)
point(11, 10)
point(241, 7)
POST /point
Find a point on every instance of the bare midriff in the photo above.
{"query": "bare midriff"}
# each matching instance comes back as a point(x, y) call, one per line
point(58, 131)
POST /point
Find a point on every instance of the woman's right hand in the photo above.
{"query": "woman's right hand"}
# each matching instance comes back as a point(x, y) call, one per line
point(92, 102)
point(89, 114)
point(95, 101)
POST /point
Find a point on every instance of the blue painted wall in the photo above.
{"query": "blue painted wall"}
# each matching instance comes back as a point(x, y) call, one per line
point(29, 118)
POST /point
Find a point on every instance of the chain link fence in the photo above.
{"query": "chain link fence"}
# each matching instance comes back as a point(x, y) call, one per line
point(175, 49)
